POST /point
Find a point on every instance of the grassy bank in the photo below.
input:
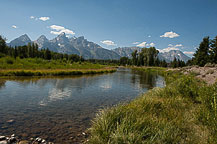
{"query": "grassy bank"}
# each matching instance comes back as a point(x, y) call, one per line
point(38, 63)
point(39, 67)
point(185, 111)
point(57, 72)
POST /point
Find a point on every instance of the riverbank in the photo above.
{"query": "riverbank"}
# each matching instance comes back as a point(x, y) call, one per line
point(206, 73)
point(184, 111)
point(39, 67)
point(52, 72)
point(13, 139)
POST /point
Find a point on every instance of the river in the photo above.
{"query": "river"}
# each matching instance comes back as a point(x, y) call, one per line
point(59, 109)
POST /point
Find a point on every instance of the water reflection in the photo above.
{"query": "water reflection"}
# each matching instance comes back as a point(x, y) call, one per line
point(61, 107)
point(2, 83)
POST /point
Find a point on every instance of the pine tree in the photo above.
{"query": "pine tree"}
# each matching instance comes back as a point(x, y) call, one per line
point(213, 50)
point(2, 45)
point(201, 57)
point(135, 57)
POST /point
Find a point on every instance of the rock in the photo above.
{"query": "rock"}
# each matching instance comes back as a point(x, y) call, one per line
point(10, 121)
point(2, 138)
point(38, 139)
point(83, 133)
point(4, 127)
point(24, 142)
point(43, 141)
point(13, 135)
point(12, 140)
point(3, 142)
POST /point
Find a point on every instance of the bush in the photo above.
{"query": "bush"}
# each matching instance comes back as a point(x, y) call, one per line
point(9, 61)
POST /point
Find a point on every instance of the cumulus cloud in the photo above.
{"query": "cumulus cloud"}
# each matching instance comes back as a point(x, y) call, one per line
point(57, 28)
point(14, 26)
point(32, 17)
point(145, 44)
point(151, 44)
point(168, 49)
point(60, 29)
point(188, 52)
point(170, 34)
point(108, 43)
point(44, 18)
point(171, 47)
point(178, 45)
point(135, 42)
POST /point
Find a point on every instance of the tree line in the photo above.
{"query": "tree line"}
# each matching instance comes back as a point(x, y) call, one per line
point(32, 51)
point(149, 57)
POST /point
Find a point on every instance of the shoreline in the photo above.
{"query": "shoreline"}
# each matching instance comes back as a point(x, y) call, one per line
point(157, 116)
point(52, 72)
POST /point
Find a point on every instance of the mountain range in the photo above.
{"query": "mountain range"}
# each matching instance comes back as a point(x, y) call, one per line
point(87, 49)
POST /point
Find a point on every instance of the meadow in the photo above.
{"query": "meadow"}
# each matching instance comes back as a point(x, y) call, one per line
point(40, 67)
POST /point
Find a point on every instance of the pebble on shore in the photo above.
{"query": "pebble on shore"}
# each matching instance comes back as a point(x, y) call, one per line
point(14, 140)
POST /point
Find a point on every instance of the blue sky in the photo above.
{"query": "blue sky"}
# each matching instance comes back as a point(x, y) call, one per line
point(165, 24)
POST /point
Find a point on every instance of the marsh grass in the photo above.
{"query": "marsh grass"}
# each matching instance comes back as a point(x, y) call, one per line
point(57, 72)
point(38, 63)
point(182, 112)
point(39, 67)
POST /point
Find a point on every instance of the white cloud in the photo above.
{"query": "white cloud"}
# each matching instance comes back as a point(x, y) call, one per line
point(171, 47)
point(170, 34)
point(44, 18)
point(57, 28)
point(32, 17)
point(145, 44)
point(149, 36)
point(151, 44)
point(14, 26)
point(188, 52)
point(60, 29)
point(108, 43)
point(178, 45)
point(135, 42)
point(168, 49)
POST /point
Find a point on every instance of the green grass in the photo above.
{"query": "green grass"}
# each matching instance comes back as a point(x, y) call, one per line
point(38, 63)
point(184, 111)
point(40, 67)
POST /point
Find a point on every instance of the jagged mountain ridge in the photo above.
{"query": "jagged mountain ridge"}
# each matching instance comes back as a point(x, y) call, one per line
point(126, 51)
point(63, 44)
point(89, 50)
point(167, 56)
point(172, 54)
point(20, 41)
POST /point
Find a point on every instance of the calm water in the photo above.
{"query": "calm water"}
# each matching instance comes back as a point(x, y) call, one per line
point(59, 109)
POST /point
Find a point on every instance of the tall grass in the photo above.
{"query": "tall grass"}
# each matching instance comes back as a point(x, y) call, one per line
point(57, 72)
point(38, 63)
point(182, 112)
point(39, 67)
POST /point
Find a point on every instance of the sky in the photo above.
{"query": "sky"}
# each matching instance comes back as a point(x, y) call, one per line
point(165, 24)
